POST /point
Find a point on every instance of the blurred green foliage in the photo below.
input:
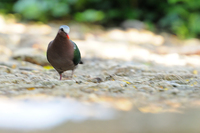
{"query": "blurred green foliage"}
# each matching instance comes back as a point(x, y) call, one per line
point(180, 17)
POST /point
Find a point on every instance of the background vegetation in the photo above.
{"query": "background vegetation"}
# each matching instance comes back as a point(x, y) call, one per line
point(180, 17)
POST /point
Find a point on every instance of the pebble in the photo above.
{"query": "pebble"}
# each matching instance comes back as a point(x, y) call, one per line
point(146, 88)
point(5, 69)
point(173, 91)
point(95, 80)
point(112, 84)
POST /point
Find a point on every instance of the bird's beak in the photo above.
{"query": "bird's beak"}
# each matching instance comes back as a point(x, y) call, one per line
point(67, 36)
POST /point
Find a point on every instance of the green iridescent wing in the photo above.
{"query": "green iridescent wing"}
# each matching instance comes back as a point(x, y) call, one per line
point(77, 54)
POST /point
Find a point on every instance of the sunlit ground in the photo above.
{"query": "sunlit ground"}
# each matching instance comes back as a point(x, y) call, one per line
point(133, 104)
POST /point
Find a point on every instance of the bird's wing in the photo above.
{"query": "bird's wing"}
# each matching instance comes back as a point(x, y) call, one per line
point(77, 54)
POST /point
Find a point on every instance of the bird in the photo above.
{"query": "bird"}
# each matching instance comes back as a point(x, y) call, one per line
point(62, 53)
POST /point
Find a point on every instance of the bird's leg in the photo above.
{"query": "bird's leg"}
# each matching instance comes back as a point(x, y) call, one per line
point(60, 76)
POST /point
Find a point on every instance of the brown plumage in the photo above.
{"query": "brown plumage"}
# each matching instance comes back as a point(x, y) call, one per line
point(60, 53)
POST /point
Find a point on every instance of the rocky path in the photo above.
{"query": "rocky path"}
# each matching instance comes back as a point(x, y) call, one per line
point(98, 79)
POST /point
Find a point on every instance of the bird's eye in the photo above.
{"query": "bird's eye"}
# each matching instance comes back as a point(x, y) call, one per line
point(62, 29)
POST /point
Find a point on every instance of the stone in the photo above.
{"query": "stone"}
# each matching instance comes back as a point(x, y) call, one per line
point(31, 55)
point(95, 80)
point(146, 88)
point(173, 91)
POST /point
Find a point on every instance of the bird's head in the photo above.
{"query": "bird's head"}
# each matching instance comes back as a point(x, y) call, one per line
point(65, 29)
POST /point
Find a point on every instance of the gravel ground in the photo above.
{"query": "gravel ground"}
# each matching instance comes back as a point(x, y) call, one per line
point(98, 79)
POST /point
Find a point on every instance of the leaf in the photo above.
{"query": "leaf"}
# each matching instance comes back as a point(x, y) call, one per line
point(48, 67)
point(126, 82)
point(31, 88)
point(195, 72)
point(89, 15)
